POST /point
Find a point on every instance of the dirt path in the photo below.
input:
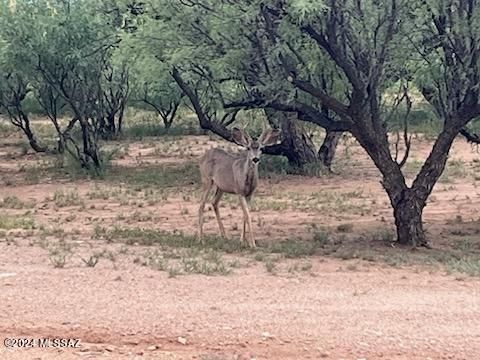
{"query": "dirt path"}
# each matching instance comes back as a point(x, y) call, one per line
point(131, 311)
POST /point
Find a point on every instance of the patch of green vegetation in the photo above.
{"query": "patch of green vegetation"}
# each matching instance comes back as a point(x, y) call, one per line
point(69, 198)
point(453, 170)
point(70, 166)
point(176, 239)
point(6, 128)
point(321, 201)
point(294, 248)
point(321, 237)
point(13, 202)
point(469, 265)
point(162, 176)
point(384, 235)
point(10, 222)
point(397, 259)
point(270, 265)
point(276, 165)
point(325, 201)
point(347, 253)
point(104, 193)
point(303, 266)
point(59, 253)
point(144, 123)
point(314, 169)
point(259, 204)
point(422, 120)
point(156, 129)
point(465, 245)
point(209, 263)
point(186, 261)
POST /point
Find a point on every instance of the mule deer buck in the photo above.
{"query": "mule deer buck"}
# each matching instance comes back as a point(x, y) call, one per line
point(234, 174)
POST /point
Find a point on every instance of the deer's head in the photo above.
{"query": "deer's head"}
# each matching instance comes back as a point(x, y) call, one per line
point(254, 147)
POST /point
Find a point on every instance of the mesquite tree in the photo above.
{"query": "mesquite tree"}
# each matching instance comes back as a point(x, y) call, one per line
point(63, 51)
point(222, 64)
point(13, 91)
point(362, 40)
point(153, 85)
point(368, 45)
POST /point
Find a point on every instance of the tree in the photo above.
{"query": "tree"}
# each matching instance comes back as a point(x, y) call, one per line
point(13, 90)
point(361, 47)
point(154, 87)
point(367, 45)
point(221, 72)
point(115, 90)
point(64, 52)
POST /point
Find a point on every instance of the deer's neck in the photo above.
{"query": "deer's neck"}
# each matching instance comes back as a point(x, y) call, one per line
point(250, 177)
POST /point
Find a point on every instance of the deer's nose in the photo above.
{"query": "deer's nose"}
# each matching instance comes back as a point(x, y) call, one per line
point(255, 160)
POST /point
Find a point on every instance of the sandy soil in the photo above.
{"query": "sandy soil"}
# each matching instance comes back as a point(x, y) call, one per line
point(338, 309)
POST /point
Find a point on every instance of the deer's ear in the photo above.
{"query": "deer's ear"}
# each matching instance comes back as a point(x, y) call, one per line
point(240, 137)
point(269, 137)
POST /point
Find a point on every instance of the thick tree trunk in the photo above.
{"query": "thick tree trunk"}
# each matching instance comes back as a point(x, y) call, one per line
point(407, 207)
point(407, 211)
point(326, 153)
point(407, 203)
point(296, 145)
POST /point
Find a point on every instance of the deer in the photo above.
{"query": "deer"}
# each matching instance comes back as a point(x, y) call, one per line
point(225, 172)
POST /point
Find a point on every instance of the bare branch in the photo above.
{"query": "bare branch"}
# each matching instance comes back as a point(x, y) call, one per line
point(471, 137)
point(205, 120)
point(333, 104)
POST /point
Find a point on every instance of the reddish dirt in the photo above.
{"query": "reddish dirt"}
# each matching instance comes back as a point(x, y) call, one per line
point(125, 311)
point(372, 312)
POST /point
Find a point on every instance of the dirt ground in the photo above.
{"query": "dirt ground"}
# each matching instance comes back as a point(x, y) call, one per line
point(361, 299)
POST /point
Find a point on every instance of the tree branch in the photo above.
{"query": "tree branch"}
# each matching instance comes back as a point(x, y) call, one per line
point(305, 112)
point(471, 137)
point(333, 104)
point(204, 119)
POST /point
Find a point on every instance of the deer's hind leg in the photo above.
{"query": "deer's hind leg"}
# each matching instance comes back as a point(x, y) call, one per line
point(206, 191)
point(216, 200)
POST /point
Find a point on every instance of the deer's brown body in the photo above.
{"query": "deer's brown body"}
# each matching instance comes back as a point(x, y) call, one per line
point(235, 174)
point(232, 173)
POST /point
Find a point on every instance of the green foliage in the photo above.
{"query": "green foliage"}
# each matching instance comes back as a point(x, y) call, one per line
point(294, 248)
point(8, 222)
point(163, 176)
point(62, 56)
point(272, 165)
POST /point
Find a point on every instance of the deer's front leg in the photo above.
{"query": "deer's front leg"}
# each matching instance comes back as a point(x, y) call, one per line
point(246, 218)
point(242, 237)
